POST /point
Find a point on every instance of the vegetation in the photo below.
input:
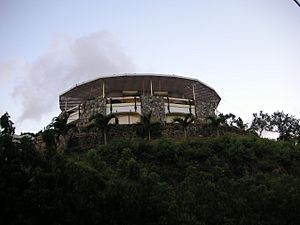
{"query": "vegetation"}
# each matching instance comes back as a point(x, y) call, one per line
point(287, 126)
point(147, 128)
point(228, 179)
point(222, 121)
point(6, 125)
point(55, 133)
point(261, 122)
point(102, 123)
point(185, 122)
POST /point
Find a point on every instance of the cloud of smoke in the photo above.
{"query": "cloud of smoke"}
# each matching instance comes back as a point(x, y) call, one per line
point(9, 69)
point(65, 64)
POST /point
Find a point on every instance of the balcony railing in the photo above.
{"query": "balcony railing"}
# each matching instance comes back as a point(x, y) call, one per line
point(74, 114)
point(179, 106)
point(123, 105)
point(180, 109)
point(123, 108)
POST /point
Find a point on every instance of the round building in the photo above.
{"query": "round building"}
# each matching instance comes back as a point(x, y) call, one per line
point(129, 96)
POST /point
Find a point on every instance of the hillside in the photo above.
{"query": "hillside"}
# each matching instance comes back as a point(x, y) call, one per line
point(215, 180)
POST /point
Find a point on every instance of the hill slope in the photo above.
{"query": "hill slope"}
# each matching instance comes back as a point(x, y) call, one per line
point(216, 180)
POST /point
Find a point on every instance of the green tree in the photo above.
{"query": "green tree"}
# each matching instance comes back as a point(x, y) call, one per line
point(221, 120)
point(7, 127)
point(240, 124)
point(48, 136)
point(147, 128)
point(185, 122)
point(60, 124)
point(61, 128)
point(286, 125)
point(260, 122)
point(54, 135)
point(102, 123)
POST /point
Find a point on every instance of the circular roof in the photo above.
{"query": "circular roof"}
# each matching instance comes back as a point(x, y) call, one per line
point(114, 85)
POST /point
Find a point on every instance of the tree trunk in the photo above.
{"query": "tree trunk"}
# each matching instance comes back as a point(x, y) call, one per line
point(104, 138)
point(149, 136)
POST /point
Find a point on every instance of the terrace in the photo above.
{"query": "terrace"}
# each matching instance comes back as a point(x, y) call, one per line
point(128, 109)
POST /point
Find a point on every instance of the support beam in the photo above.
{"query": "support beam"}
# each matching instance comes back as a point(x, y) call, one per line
point(79, 111)
point(103, 89)
point(111, 108)
point(151, 89)
point(194, 96)
point(66, 104)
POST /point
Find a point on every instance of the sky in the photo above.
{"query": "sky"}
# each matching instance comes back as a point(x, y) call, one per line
point(248, 51)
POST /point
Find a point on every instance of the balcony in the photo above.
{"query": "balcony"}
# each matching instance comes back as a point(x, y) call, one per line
point(123, 105)
point(128, 109)
point(74, 114)
point(123, 108)
point(179, 106)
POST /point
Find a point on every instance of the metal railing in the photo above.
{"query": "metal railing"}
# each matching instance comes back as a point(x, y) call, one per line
point(179, 105)
point(74, 114)
point(123, 105)
point(133, 105)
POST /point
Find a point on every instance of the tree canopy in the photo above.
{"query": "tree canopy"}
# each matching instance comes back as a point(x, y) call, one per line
point(185, 122)
point(227, 179)
point(6, 124)
point(102, 123)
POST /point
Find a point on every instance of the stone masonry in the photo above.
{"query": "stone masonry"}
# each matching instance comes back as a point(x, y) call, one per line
point(154, 104)
point(90, 108)
point(204, 109)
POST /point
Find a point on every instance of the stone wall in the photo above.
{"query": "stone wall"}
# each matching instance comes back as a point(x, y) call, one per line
point(154, 104)
point(122, 131)
point(90, 108)
point(204, 109)
point(91, 137)
point(82, 140)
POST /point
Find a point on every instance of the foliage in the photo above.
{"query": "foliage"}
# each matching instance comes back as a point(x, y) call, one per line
point(58, 128)
point(6, 125)
point(261, 122)
point(240, 124)
point(184, 123)
point(215, 180)
point(287, 126)
point(228, 179)
point(48, 136)
point(147, 129)
point(222, 121)
point(60, 124)
point(102, 122)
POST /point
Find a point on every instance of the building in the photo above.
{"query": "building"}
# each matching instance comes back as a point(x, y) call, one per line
point(129, 96)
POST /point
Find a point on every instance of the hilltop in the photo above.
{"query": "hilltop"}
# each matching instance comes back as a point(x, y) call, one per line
point(230, 179)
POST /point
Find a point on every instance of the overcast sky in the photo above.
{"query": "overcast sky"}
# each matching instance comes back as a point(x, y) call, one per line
point(248, 51)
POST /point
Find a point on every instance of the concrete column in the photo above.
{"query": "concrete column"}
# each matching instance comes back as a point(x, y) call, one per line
point(151, 89)
point(194, 96)
point(103, 89)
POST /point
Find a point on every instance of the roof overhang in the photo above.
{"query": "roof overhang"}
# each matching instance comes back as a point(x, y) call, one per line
point(176, 86)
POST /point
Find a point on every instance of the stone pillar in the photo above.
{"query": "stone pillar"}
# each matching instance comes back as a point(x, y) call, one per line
point(90, 108)
point(204, 109)
point(155, 104)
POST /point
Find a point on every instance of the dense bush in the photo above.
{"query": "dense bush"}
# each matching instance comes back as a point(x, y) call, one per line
point(216, 180)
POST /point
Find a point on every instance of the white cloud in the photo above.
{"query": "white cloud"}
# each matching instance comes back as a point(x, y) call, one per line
point(66, 63)
point(9, 70)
